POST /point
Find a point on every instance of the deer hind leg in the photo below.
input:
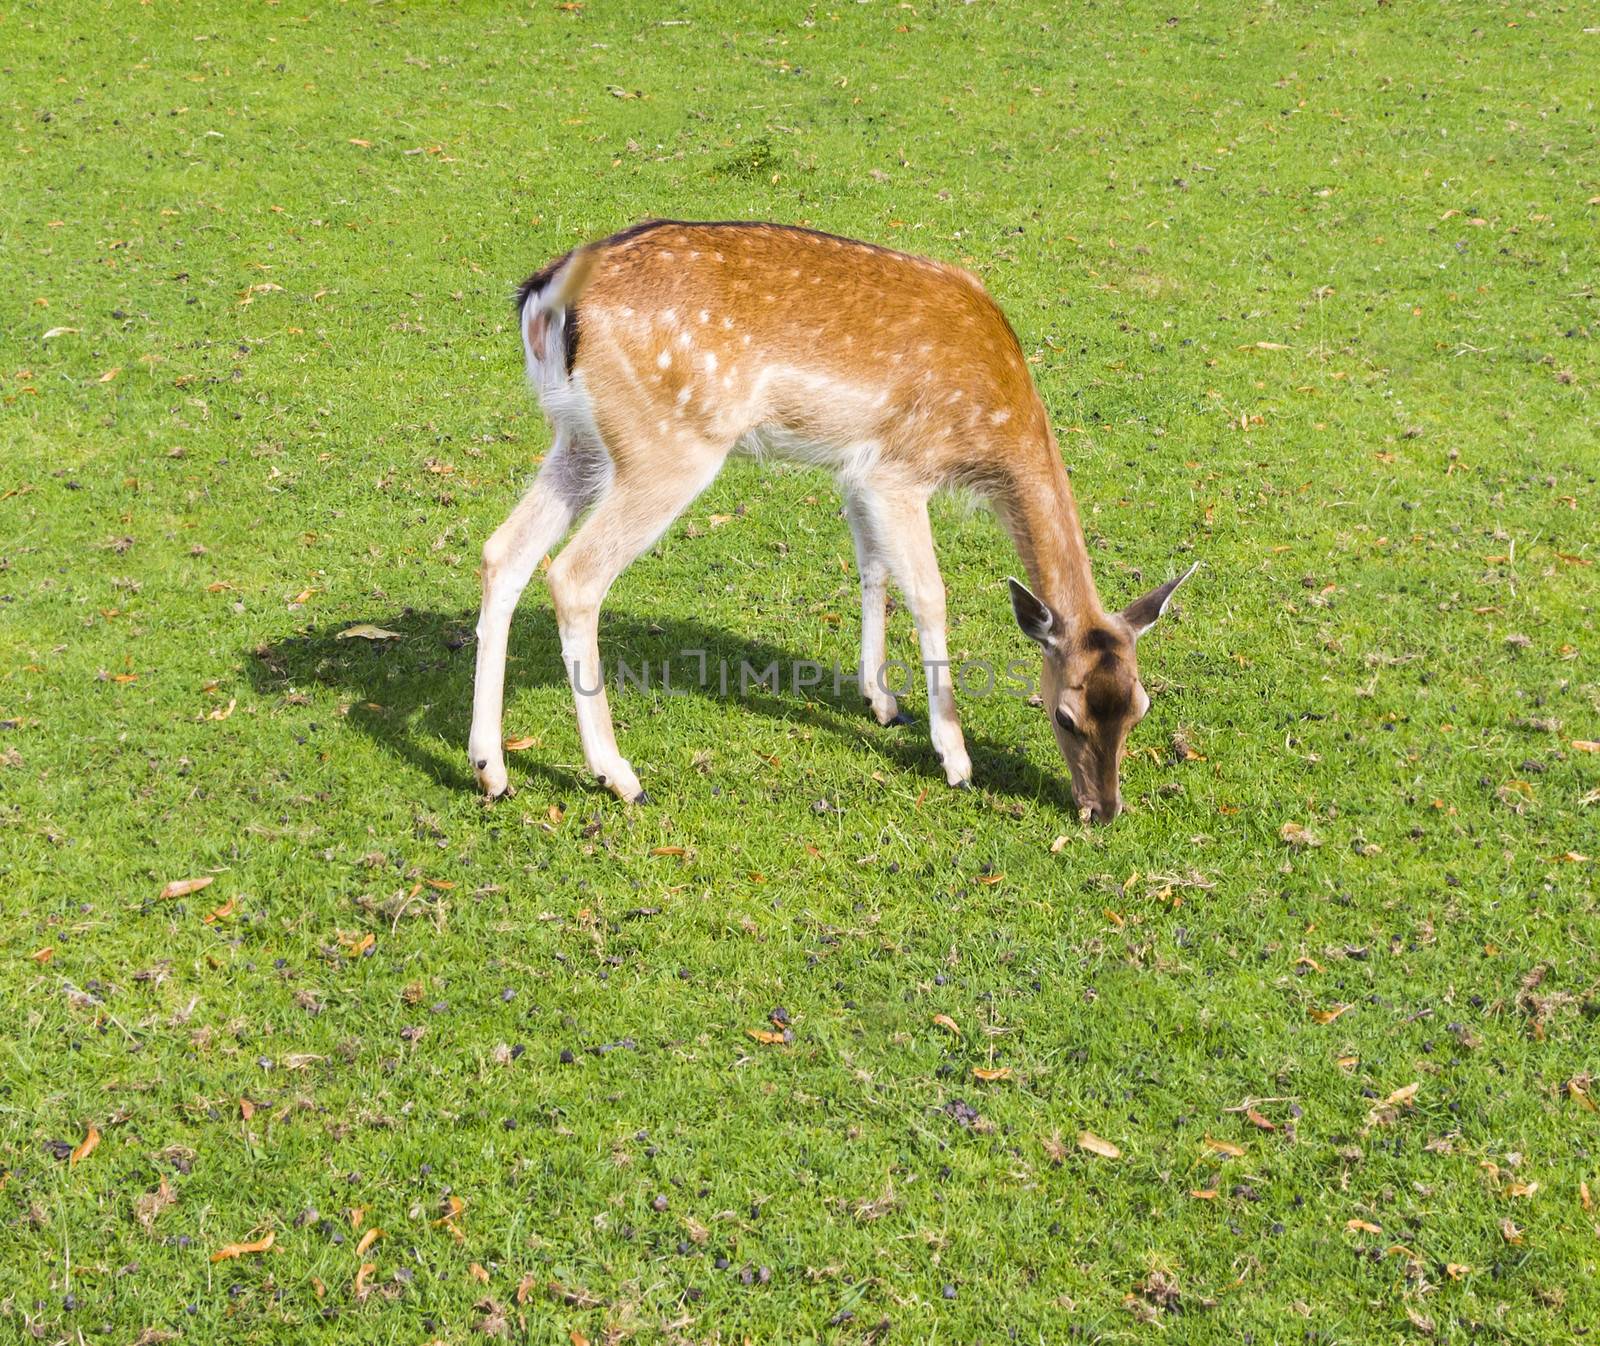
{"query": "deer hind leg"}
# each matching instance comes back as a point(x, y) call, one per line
point(639, 507)
point(573, 473)
point(901, 518)
point(873, 565)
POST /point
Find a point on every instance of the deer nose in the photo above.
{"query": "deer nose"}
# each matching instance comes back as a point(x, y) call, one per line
point(1105, 812)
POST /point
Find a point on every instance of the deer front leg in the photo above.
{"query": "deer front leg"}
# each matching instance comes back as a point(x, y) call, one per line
point(873, 567)
point(916, 570)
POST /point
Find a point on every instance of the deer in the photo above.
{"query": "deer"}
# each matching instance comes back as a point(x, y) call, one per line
point(658, 352)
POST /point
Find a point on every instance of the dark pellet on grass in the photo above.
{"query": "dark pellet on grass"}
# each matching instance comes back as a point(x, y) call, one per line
point(660, 1202)
point(949, 1292)
point(567, 1058)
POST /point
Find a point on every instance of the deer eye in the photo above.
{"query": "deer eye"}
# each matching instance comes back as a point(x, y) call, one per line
point(1066, 721)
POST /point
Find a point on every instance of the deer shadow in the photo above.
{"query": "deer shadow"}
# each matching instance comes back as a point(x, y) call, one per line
point(412, 696)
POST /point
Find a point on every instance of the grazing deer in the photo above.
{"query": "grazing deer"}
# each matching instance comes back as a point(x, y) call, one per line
point(658, 351)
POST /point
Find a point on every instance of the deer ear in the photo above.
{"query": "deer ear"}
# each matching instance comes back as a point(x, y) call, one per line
point(1035, 618)
point(1141, 614)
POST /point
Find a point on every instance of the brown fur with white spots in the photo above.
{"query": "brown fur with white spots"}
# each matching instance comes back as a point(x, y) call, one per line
point(659, 351)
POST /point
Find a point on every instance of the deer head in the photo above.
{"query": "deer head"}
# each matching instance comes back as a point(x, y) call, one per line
point(1091, 687)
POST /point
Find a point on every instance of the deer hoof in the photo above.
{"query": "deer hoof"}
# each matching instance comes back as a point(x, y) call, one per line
point(492, 780)
point(643, 797)
point(898, 718)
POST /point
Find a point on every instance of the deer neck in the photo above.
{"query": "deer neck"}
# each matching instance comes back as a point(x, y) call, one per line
point(1039, 510)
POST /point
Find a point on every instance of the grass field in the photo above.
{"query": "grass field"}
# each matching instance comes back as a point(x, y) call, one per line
point(1309, 291)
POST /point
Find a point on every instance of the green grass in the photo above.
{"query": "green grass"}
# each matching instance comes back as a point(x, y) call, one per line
point(282, 239)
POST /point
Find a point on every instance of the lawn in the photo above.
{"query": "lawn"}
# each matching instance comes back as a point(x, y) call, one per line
point(812, 1048)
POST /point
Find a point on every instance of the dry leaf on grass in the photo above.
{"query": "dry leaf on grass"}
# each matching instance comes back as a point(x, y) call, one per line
point(493, 1323)
point(183, 887)
point(454, 1206)
point(1298, 836)
point(574, 1296)
point(367, 631)
point(1327, 1016)
point(1363, 1226)
point(1226, 1147)
point(991, 1075)
point(85, 1147)
point(1421, 1321)
point(945, 1021)
point(1388, 1111)
point(233, 1250)
point(1087, 1140)
point(147, 1207)
point(368, 1239)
